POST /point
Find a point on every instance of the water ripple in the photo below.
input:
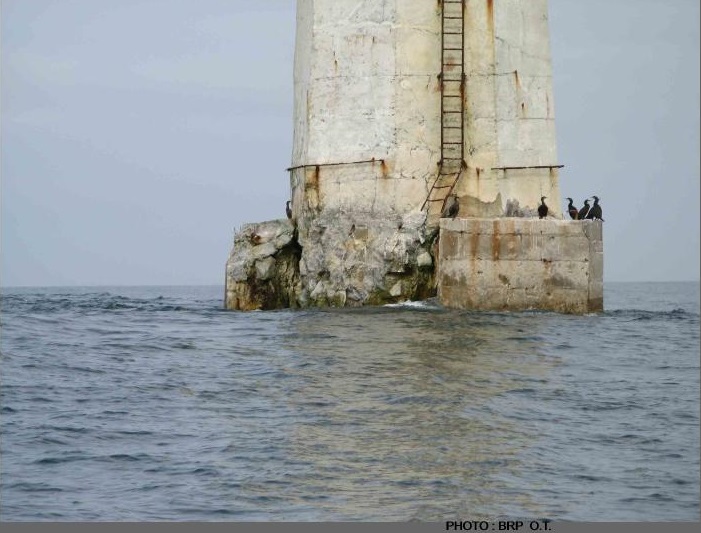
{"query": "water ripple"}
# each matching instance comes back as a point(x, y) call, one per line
point(154, 404)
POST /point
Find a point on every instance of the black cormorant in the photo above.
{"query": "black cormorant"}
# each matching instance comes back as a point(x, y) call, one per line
point(288, 210)
point(572, 210)
point(451, 207)
point(595, 211)
point(542, 208)
point(583, 212)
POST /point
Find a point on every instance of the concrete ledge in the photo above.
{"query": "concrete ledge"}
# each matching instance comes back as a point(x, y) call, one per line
point(517, 264)
point(520, 226)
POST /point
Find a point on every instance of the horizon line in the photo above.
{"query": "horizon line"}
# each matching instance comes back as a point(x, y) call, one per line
point(124, 285)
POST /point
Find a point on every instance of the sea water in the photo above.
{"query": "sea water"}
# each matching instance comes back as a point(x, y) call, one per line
point(153, 403)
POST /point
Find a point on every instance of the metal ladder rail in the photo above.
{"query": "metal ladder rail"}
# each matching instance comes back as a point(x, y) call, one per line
point(444, 77)
point(452, 23)
point(450, 190)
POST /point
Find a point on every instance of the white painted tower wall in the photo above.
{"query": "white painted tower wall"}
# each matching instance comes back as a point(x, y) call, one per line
point(367, 87)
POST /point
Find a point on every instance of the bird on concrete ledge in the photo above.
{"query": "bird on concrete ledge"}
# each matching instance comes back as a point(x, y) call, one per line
point(572, 210)
point(542, 208)
point(583, 212)
point(595, 211)
point(451, 208)
point(288, 209)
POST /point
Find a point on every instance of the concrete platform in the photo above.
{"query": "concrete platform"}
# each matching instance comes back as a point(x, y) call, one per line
point(521, 263)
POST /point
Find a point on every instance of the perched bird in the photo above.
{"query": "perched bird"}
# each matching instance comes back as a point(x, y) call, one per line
point(583, 212)
point(595, 211)
point(451, 207)
point(542, 208)
point(288, 209)
point(572, 210)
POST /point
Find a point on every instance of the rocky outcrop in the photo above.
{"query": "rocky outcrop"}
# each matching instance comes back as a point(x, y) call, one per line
point(263, 269)
point(334, 261)
point(352, 260)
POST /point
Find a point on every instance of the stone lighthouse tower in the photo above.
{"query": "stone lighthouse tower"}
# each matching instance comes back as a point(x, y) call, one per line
point(399, 107)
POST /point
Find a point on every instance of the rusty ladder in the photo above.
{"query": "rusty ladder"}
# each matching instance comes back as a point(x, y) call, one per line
point(452, 80)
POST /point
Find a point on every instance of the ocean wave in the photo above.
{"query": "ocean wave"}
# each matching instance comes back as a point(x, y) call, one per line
point(47, 304)
point(430, 304)
point(642, 314)
point(137, 413)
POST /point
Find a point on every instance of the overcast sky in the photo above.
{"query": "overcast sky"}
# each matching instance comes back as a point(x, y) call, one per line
point(138, 134)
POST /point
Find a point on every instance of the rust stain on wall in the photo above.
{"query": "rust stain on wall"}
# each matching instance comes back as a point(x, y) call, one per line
point(312, 181)
point(384, 168)
point(474, 243)
point(519, 94)
point(490, 15)
point(479, 185)
point(496, 240)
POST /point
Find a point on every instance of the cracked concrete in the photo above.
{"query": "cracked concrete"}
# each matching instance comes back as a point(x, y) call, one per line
point(366, 87)
point(515, 264)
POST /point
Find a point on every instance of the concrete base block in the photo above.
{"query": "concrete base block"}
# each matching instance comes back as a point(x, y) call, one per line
point(517, 264)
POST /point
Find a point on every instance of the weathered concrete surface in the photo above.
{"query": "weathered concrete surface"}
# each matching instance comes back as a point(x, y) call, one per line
point(515, 264)
point(367, 88)
point(367, 146)
point(262, 271)
point(510, 116)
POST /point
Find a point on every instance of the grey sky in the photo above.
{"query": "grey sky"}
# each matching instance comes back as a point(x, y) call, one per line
point(137, 134)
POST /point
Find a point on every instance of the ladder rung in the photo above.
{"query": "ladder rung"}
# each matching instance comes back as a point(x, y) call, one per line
point(451, 73)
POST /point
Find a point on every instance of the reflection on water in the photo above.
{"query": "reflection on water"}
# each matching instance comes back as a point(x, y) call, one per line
point(154, 404)
point(402, 405)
